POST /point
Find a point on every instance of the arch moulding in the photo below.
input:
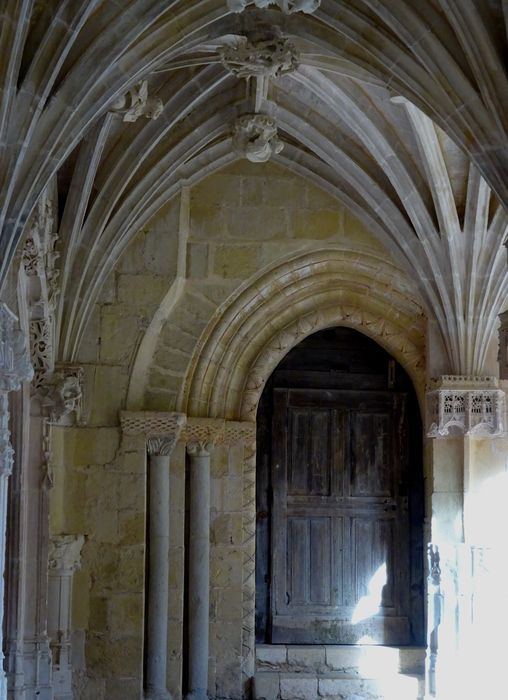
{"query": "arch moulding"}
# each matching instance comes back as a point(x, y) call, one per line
point(251, 333)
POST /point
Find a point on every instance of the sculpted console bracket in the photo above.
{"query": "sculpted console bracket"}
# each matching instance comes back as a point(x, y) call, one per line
point(458, 405)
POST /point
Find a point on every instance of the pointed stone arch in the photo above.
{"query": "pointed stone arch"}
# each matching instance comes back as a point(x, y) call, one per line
point(254, 329)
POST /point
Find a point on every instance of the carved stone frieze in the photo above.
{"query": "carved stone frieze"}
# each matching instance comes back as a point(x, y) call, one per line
point(152, 423)
point(286, 6)
point(239, 431)
point(459, 405)
point(202, 434)
point(137, 103)
point(268, 57)
point(255, 137)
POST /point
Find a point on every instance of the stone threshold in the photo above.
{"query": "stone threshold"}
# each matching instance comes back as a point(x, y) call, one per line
point(365, 661)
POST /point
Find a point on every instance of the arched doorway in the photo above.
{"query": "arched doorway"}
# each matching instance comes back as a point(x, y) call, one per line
point(339, 531)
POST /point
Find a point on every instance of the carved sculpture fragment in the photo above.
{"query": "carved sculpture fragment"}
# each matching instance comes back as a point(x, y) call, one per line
point(286, 6)
point(137, 103)
point(268, 57)
point(255, 137)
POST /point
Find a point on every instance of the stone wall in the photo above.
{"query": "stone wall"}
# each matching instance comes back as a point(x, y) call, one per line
point(242, 221)
point(99, 492)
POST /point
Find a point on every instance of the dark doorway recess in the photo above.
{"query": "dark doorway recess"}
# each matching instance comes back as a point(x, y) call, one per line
point(339, 534)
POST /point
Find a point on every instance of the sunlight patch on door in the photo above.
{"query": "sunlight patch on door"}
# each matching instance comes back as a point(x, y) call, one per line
point(369, 605)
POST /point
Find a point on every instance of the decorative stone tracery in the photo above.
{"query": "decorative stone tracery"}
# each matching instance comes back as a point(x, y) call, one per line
point(458, 405)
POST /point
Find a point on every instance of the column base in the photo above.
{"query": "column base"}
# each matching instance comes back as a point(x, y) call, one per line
point(197, 695)
point(157, 694)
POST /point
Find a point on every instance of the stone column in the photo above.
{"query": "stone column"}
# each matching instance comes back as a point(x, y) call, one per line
point(64, 559)
point(159, 450)
point(161, 431)
point(14, 368)
point(201, 436)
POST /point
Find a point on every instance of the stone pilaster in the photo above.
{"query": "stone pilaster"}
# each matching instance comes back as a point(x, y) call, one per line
point(245, 432)
point(161, 431)
point(201, 435)
point(64, 559)
point(14, 369)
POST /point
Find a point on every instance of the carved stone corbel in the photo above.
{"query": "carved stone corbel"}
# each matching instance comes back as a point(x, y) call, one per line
point(463, 405)
point(63, 394)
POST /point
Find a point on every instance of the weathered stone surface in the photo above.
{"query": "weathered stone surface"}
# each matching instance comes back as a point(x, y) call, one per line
point(306, 658)
point(295, 687)
point(266, 686)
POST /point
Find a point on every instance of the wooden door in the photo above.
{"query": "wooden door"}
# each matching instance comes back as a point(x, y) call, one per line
point(340, 526)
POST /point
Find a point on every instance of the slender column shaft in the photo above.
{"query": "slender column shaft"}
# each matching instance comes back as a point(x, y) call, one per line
point(158, 569)
point(199, 569)
point(5, 471)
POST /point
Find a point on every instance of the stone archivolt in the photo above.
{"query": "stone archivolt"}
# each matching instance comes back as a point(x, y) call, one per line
point(286, 304)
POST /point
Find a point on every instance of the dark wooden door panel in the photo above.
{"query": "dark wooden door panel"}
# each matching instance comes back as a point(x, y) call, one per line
point(340, 553)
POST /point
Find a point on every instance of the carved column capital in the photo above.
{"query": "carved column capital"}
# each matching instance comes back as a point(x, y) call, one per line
point(65, 552)
point(202, 434)
point(464, 405)
point(160, 446)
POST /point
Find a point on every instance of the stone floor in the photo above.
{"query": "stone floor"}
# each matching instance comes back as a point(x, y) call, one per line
point(287, 672)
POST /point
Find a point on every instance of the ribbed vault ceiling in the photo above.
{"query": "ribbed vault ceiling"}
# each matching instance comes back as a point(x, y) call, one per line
point(398, 108)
